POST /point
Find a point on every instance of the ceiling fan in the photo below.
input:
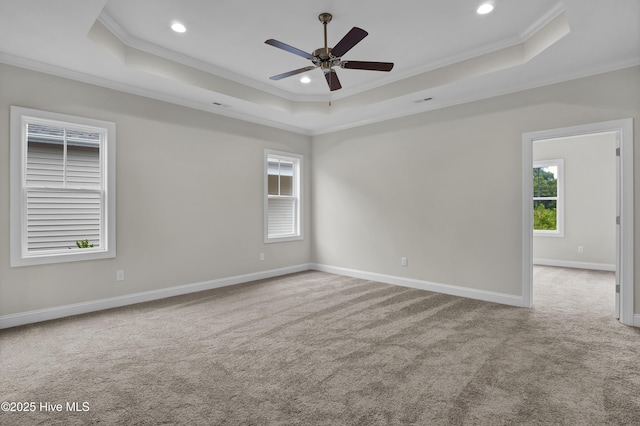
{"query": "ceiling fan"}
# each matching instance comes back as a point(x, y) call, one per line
point(326, 58)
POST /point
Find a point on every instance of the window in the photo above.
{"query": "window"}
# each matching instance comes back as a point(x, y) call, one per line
point(282, 196)
point(548, 215)
point(62, 188)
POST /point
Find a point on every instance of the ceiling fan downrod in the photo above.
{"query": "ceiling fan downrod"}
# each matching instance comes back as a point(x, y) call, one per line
point(325, 18)
point(324, 54)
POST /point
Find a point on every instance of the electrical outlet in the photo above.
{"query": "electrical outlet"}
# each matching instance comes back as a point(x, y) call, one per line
point(261, 257)
point(404, 261)
point(580, 249)
point(120, 275)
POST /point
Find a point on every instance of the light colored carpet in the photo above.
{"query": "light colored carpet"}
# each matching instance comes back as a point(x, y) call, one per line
point(320, 349)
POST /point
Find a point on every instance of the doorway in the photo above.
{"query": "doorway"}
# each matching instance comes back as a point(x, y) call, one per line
point(622, 133)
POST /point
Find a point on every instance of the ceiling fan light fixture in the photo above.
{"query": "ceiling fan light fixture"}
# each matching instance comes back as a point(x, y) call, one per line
point(178, 27)
point(485, 8)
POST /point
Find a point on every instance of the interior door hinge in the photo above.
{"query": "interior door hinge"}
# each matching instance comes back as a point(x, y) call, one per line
point(618, 288)
point(617, 220)
point(617, 152)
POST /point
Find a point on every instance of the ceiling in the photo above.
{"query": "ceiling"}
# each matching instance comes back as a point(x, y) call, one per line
point(443, 51)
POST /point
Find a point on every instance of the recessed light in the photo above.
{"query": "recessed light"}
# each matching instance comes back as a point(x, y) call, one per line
point(485, 8)
point(178, 27)
point(305, 80)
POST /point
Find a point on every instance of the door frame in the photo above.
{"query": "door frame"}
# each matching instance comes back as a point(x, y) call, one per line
point(624, 258)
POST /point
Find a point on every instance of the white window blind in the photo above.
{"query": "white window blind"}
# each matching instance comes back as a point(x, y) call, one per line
point(281, 217)
point(62, 182)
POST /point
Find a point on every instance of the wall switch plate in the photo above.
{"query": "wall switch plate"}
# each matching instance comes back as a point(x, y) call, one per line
point(120, 275)
point(261, 257)
point(580, 249)
point(404, 261)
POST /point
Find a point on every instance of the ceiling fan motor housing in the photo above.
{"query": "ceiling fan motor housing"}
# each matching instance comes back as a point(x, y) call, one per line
point(323, 58)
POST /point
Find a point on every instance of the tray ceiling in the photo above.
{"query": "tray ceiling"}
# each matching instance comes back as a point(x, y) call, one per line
point(443, 52)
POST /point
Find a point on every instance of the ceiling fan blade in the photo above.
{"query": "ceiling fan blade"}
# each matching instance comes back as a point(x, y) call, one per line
point(332, 80)
point(294, 72)
point(352, 38)
point(365, 65)
point(283, 46)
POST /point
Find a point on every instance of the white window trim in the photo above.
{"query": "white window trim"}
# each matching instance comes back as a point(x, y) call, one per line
point(297, 189)
point(17, 215)
point(559, 232)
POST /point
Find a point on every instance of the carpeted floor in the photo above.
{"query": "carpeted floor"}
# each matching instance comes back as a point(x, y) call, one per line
point(320, 349)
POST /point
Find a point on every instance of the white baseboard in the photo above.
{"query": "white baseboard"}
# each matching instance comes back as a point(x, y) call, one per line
point(577, 265)
point(488, 296)
point(30, 317)
point(636, 320)
point(23, 318)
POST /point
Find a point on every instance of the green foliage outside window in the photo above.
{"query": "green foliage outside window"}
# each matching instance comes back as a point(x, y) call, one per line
point(545, 185)
point(83, 244)
point(544, 218)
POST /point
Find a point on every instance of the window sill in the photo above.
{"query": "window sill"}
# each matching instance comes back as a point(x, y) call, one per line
point(61, 258)
point(283, 239)
point(553, 234)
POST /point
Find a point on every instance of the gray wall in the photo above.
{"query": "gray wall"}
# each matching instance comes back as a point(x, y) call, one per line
point(444, 188)
point(590, 201)
point(189, 196)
